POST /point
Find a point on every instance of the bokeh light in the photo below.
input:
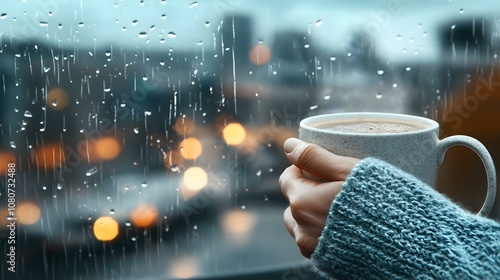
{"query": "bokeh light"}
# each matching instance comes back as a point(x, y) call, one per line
point(190, 148)
point(144, 215)
point(27, 213)
point(106, 148)
point(5, 159)
point(195, 178)
point(49, 156)
point(260, 54)
point(105, 228)
point(186, 267)
point(234, 134)
point(57, 98)
point(238, 225)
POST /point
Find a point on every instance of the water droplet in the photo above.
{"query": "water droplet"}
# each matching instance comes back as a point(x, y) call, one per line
point(54, 103)
point(136, 130)
point(59, 186)
point(313, 107)
point(243, 207)
point(175, 168)
point(153, 27)
point(333, 58)
point(195, 227)
point(44, 188)
point(408, 69)
point(111, 211)
point(453, 26)
point(193, 5)
point(412, 40)
point(44, 23)
point(128, 224)
point(143, 34)
point(144, 184)
point(81, 24)
point(135, 22)
point(91, 171)
point(207, 23)
point(394, 85)
point(147, 113)
point(164, 16)
point(133, 239)
point(60, 26)
point(28, 114)
point(380, 72)
point(145, 78)
point(379, 95)
point(399, 37)
point(319, 22)
point(461, 11)
point(259, 173)
point(171, 34)
point(3, 15)
point(12, 144)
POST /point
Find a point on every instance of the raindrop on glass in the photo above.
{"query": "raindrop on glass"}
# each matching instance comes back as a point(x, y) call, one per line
point(207, 23)
point(147, 113)
point(12, 144)
point(28, 114)
point(136, 130)
point(143, 34)
point(461, 11)
point(59, 186)
point(81, 24)
point(319, 22)
point(193, 5)
point(128, 224)
point(144, 184)
point(112, 211)
point(3, 15)
point(379, 95)
point(171, 35)
point(134, 22)
point(164, 16)
point(91, 171)
point(259, 173)
point(380, 72)
point(44, 23)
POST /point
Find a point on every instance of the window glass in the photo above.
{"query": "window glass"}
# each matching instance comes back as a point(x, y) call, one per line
point(143, 139)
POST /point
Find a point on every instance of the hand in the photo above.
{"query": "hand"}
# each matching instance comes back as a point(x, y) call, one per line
point(310, 200)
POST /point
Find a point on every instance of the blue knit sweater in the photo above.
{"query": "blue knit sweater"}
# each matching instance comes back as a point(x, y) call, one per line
point(386, 224)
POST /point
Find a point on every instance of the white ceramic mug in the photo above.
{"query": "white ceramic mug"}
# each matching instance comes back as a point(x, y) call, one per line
point(418, 152)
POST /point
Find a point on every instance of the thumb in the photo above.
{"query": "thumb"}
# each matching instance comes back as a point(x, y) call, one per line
point(317, 161)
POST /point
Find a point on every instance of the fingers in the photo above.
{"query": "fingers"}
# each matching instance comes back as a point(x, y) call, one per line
point(317, 161)
point(290, 222)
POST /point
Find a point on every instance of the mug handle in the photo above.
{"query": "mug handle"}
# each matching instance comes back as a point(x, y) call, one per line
point(485, 156)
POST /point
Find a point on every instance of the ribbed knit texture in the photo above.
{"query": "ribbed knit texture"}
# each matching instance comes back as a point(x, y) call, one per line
point(386, 224)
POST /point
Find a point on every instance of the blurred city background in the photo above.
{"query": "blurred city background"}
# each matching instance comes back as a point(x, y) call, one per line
point(147, 135)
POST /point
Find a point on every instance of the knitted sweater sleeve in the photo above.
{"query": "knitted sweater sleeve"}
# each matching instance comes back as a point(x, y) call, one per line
point(386, 224)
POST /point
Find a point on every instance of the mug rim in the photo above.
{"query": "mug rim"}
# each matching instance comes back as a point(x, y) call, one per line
point(307, 122)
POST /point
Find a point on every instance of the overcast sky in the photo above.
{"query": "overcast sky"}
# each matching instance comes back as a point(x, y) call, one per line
point(402, 29)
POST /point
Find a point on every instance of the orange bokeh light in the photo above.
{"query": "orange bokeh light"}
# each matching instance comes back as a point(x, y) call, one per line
point(106, 148)
point(234, 134)
point(144, 215)
point(5, 159)
point(50, 156)
point(28, 213)
point(190, 148)
point(260, 54)
point(57, 98)
point(106, 228)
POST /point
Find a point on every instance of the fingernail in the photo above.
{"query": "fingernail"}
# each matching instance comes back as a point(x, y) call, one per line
point(290, 144)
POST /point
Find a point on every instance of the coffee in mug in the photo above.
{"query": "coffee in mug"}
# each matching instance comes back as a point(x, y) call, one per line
point(408, 142)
